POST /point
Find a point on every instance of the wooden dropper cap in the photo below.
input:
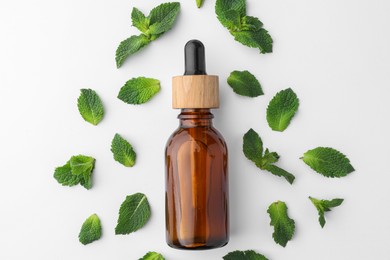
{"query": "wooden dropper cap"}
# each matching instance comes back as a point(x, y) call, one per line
point(195, 89)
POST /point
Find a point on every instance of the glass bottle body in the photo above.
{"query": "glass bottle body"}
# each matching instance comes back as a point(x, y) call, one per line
point(196, 198)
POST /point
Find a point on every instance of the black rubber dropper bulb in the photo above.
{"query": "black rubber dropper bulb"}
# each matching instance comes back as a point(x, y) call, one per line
point(194, 54)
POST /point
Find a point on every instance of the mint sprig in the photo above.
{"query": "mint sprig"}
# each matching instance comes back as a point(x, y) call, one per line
point(90, 106)
point(323, 206)
point(139, 90)
point(328, 161)
point(253, 150)
point(247, 30)
point(78, 170)
point(244, 255)
point(160, 20)
point(134, 213)
point(284, 226)
point(91, 230)
point(244, 83)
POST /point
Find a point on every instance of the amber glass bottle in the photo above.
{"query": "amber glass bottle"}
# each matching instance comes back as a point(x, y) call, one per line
point(197, 212)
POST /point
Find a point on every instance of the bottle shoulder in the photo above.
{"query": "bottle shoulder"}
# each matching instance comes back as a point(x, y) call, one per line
point(204, 135)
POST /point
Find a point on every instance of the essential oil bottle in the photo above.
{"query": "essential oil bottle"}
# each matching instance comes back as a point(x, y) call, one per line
point(196, 159)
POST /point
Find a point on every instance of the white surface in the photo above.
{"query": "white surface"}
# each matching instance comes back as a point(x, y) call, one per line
point(334, 54)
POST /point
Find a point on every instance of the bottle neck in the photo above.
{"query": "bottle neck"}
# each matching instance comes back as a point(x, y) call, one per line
point(196, 117)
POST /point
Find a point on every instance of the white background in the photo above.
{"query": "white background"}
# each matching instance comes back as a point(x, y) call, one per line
point(334, 54)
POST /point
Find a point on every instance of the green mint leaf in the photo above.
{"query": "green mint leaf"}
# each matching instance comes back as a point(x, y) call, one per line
point(199, 3)
point(323, 206)
point(244, 255)
point(163, 17)
point(91, 230)
point(222, 6)
point(134, 213)
point(64, 176)
point(247, 38)
point(152, 256)
point(130, 46)
point(139, 20)
point(263, 40)
point(328, 162)
point(164, 12)
point(231, 19)
point(123, 151)
point(252, 146)
point(275, 170)
point(86, 180)
point(90, 106)
point(332, 203)
point(284, 227)
point(139, 90)
point(255, 39)
point(83, 166)
point(245, 84)
point(282, 109)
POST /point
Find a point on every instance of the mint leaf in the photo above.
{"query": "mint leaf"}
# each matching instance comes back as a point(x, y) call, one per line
point(64, 176)
point(275, 170)
point(90, 106)
point(86, 180)
point(139, 20)
point(252, 146)
point(139, 90)
point(130, 46)
point(123, 151)
point(81, 163)
point(163, 17)
point(91, 230)
point(244, 83)
point(244, 255)
point(323, 206)
point(231, 19)
point(264, 41)
point(134, 213)
point(282, 109)
point(83, 166)
point(199, 3)
point(253, 150)
point(255, 39)
point(164, 12)
point(152, 256)
point(328, 162)
point(284, 227)
point(222, 6)
point(247, 38)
